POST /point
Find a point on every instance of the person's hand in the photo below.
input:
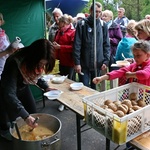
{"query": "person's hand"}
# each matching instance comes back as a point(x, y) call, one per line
point(30, 121)
point(56, 45)
point(104, 67)
point(97, 80)
point(50, 89)
point(130, 60)
point(130, 74)
point(11, 50)
point(77, 68)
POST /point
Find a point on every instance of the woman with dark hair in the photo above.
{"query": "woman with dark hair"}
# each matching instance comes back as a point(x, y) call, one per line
point(23, 68)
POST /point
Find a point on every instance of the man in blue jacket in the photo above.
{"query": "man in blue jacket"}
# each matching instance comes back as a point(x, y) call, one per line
point(122, 20)
point(84, 53)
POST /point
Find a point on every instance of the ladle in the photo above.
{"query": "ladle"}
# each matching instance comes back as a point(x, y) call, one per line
point(17, 130)
point(35, 121)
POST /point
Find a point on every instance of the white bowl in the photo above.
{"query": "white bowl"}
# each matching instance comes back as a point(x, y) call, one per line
point(48, 77)
point(60, 79)
point(53, 94)
point(122, 63)
point(76, 86)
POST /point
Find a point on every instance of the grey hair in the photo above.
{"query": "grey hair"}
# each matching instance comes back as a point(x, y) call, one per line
point(142, 45)
point(122, 9)
point(57, 10)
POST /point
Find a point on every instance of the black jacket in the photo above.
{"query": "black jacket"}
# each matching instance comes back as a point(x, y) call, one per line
point(11, 84)
point(83, 51)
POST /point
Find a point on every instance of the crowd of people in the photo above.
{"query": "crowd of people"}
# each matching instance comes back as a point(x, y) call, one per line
point(114, 39)
point(79, 51)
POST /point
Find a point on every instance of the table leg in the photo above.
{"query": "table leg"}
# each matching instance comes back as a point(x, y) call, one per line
point(107, 144)
point(78, 132)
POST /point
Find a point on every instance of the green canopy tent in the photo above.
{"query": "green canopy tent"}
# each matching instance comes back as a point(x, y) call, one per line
point(25, 19)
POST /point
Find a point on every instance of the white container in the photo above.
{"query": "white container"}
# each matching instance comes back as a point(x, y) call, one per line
point(53, 94)
point(48, 77)
point(122, 63)
point(59, 79)
point(76, 86)
point(16, 42)
point(119, 130)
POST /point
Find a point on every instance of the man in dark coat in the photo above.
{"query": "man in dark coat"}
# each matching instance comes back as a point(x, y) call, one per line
point(84, 52)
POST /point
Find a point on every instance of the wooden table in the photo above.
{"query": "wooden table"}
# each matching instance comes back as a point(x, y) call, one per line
point(73, 100)
point(142, 141)
point(70, 98)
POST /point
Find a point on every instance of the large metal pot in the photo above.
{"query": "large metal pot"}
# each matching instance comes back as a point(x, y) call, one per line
point(51, 143)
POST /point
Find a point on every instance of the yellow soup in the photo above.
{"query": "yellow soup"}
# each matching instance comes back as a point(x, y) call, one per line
point(38, 133)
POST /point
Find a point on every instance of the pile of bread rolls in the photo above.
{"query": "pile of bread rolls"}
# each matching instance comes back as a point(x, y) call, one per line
point(125, 107)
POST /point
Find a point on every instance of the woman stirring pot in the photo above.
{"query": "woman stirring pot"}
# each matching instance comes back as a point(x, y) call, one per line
point(22, 69)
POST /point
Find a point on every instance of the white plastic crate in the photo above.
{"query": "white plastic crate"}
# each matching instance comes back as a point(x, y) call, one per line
point(119, 130)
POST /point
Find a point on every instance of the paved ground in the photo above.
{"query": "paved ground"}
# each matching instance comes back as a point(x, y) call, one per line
point(91, 139)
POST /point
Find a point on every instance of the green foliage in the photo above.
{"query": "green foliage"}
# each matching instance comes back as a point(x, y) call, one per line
point(136, 9)
point(86, 9)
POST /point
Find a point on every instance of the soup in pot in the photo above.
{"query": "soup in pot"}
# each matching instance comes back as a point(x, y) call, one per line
point(38, 133)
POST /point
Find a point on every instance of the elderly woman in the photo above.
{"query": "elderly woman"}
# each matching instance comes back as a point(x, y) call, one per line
point(54, 27)
point(22, 69)
point(115, 34)
point(63, 44)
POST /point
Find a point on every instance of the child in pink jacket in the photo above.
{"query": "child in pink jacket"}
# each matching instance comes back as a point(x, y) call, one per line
point(139, 71)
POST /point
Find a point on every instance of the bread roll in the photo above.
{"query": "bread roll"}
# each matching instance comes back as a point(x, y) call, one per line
point(107, 102)
point(133, 96)
point(104, 106)
point(133, 102)
point(119, 113)
point(117, 102)
point(141, 103)
point(126, 107)
point(130, 111)
point(110, 110)
point(122, 108)
point(127, 103)
point(136, 108)
point(112, 106)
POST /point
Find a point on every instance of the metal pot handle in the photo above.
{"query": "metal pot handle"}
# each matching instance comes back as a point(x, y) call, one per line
point(45, 145)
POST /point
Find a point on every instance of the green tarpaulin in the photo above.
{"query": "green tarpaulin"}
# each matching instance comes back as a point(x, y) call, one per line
point(23, 18)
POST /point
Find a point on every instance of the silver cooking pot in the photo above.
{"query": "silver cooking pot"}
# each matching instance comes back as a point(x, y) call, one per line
point(50, 143)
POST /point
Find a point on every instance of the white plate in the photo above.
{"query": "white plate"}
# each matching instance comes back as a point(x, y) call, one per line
point(53, 94)
point(117, 65)
point(60, 79)
point(48, 77)
point(122, 63)
point(76, 86)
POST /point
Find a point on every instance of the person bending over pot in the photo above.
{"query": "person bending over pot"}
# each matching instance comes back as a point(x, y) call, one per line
point(21, 69)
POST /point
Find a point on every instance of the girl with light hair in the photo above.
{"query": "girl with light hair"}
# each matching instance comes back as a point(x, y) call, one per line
point(143, 29)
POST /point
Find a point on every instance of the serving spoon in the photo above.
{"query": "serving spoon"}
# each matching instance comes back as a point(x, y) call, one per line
point(123, 56)
point(35, 121)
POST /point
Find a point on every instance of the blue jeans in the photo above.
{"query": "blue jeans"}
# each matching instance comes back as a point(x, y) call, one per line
point(88, 77)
